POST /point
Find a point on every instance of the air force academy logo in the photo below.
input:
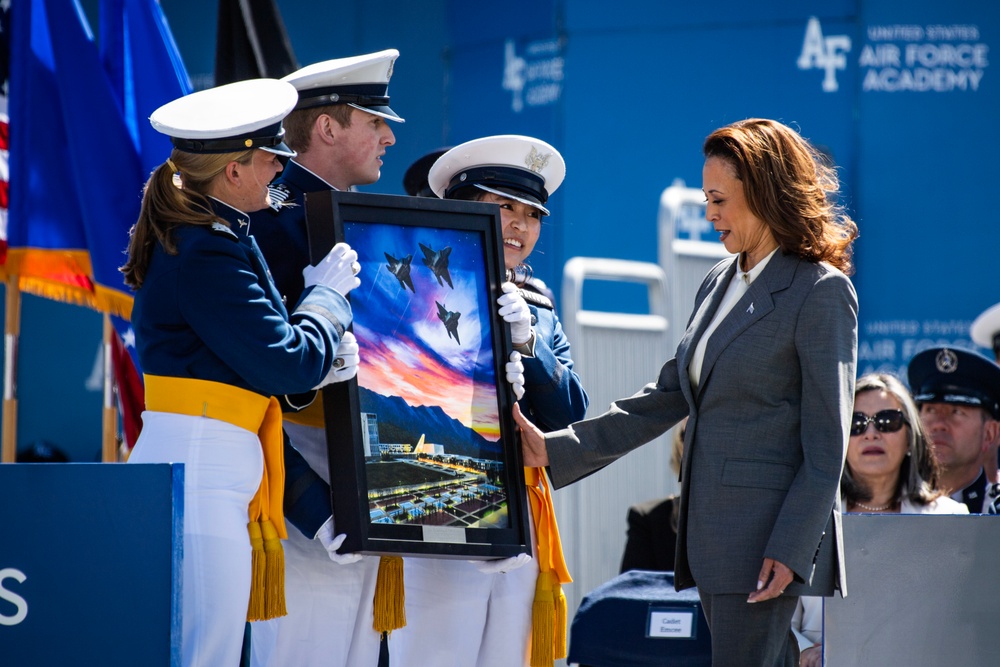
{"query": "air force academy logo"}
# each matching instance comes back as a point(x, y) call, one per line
point(825, 53)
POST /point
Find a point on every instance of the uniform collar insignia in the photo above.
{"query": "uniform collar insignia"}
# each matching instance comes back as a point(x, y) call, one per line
point(223, 229)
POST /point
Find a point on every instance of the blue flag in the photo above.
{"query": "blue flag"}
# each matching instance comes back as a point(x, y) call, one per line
point(81, 146)
point(145, 70)
point(142, 63)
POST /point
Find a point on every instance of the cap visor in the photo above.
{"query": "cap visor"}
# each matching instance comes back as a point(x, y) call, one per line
point(384, 112)
point(509, 195)
point(281, 149)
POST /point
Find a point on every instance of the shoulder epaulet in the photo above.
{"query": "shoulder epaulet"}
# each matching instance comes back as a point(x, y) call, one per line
point(536, 299)
point(279, 194)
point(223, 230)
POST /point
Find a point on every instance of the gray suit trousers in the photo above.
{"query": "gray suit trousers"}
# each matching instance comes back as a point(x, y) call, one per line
point(751, 635)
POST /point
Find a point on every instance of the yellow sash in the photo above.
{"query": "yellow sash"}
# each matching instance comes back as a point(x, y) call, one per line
point(548, 612)
point(257, 414)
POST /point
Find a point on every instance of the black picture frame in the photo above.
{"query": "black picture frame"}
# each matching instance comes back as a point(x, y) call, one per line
point(424, 455)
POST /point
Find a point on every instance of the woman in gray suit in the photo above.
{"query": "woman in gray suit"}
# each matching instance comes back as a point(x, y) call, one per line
point(765, 372)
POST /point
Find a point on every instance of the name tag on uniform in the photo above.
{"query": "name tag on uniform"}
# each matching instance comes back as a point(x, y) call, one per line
point(672, 622)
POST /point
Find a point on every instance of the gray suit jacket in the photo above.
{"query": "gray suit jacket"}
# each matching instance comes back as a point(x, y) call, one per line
point(767, 434)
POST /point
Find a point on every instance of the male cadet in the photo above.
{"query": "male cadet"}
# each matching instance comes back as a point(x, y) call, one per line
point(340, 132)
point(959, 397)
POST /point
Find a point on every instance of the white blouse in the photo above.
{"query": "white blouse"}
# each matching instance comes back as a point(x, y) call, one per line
point(738, 286)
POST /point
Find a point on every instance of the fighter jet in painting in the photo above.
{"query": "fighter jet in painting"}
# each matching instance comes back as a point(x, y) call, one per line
point(450, 320)
point(437, 261)
point(401, 269)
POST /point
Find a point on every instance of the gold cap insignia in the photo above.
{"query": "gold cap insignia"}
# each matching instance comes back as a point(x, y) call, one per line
point(248, 143)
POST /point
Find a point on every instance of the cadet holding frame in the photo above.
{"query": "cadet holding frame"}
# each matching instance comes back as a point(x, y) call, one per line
point(217, 344)
point(508, 612)
point(423, 453)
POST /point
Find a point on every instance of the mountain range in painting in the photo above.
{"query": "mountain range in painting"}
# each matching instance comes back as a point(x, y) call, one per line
point(400, 422)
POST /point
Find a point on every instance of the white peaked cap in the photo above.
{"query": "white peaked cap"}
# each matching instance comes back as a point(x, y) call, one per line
point(986, 327)
point(510, 165)
point(359, 81)
point(230, 118)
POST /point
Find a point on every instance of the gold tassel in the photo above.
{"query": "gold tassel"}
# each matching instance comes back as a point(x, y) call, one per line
point(390, 609)
point(255, 611)
point(559, 645)
point(543, 621)
point(274, 574)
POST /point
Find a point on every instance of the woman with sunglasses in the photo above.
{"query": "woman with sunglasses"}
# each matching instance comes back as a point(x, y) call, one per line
point(890, 469)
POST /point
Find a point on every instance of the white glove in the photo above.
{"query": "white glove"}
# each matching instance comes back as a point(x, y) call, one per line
point(503, 565)
point(345, 364)
point(338, 270)
point(515, 374)
point(331, 543)
point(514, 309)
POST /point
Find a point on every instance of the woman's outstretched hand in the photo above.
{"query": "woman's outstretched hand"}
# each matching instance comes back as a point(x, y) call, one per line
point(532, 441)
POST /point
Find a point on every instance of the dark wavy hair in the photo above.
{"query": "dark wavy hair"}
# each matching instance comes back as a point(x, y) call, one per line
point(789, 186)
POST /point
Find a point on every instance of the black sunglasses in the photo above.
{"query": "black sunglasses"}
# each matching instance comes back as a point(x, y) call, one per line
point(886, 421)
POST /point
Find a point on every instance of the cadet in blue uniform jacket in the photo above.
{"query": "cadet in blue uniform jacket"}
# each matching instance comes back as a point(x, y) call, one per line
point(284, 237)
point(488, 604)
point(216, 343)
point(341, 129)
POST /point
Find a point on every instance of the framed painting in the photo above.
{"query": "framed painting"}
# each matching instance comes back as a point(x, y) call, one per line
point(424, 453)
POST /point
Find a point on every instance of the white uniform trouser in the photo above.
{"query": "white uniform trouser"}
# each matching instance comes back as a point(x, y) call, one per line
point(457, 616)
point(330, 606)
point(223, 465)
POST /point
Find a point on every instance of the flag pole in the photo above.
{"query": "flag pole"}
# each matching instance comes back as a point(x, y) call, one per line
point(109, 424)
point(12, 327)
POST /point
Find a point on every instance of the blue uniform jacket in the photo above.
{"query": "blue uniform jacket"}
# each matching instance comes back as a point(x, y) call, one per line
point(553, 394)
point(282, 234)
point(211, 312)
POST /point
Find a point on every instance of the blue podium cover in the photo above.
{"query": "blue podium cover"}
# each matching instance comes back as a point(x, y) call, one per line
point(88, 553)
point(637, 619)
